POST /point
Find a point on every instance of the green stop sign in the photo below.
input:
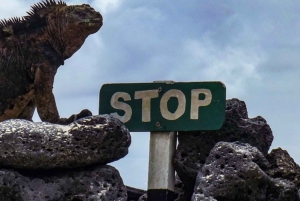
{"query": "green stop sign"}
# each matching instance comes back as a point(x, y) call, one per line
point(165, 106)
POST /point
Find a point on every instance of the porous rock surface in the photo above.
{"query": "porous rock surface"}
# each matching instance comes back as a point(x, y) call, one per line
point(179, 189)
point(143, 198)
point(98, 183)
point(39, 145)
point(194, 147)
point(283, 166)
point(236, 171)
point(282, 190)
point(134, 193)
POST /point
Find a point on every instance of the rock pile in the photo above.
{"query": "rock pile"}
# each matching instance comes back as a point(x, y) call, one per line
point(46, 162)
point(43, 161)
point(233, 163)
point(237, 171)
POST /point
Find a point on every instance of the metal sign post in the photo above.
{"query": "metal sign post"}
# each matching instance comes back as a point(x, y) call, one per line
point(163, 108)
point(161, 173)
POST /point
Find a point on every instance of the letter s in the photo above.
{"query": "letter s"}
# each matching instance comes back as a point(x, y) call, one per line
point(114, 102)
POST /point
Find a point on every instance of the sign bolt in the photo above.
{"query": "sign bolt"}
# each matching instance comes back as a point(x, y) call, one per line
point(158, 124)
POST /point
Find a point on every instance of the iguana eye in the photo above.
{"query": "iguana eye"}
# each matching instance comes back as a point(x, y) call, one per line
point(81, 14)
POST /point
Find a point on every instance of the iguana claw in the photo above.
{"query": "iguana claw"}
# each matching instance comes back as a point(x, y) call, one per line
point(74, 117)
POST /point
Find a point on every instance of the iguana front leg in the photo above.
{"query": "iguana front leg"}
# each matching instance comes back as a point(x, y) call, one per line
point(45, 101)
point(44, 98)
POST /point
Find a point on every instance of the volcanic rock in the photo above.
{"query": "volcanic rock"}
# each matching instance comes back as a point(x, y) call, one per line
point(283, 166)
point(236, 171)
point(233, 171)
point(282, 190)
point(194, 147)
point(143, 198)
point(98, 183)
point(134, 193)
point(29, 145)
point(179, 189)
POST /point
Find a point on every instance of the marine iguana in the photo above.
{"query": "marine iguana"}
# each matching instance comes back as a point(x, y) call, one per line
point(31, 50)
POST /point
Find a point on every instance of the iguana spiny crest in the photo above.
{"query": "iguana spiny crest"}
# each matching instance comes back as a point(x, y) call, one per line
point(31, 50)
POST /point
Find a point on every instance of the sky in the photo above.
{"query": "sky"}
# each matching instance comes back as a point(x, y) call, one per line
point(251, 46)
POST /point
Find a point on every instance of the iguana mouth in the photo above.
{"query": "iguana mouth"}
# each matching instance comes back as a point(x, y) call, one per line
point(92, 21)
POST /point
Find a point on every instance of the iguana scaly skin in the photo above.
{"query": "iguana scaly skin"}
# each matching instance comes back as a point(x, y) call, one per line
point(31, 50)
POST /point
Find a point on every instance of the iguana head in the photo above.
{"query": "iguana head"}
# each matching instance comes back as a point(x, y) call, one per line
point(64, 27)
point(72, 25)
point(82, 17)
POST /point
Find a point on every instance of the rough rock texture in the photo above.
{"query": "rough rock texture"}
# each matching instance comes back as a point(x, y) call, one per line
point(96, 139)
point(283, 166)
point(143, 198)
point(194, 147)
point(235, 172)
point(99, 183)
point(201, 197)
point(179, 189)
point(282, 190)
point(134, 193)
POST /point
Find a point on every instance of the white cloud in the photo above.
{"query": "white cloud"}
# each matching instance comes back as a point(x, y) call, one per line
point(235, 66)
point(106, 6)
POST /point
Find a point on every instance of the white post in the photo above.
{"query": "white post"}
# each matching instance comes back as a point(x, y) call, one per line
point(161, 173)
